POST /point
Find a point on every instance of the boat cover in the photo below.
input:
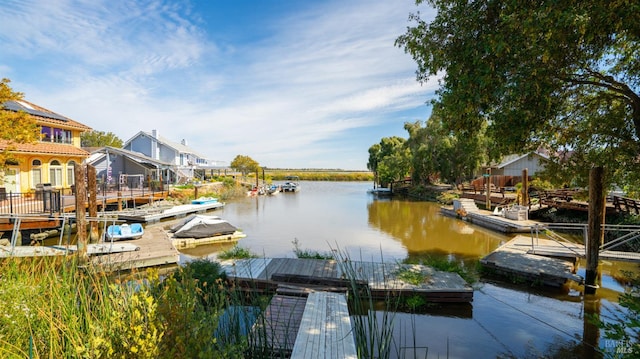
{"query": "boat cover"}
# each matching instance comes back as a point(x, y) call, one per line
point(200, 226)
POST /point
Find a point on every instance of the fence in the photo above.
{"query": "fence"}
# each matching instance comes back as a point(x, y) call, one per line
point(41, 202)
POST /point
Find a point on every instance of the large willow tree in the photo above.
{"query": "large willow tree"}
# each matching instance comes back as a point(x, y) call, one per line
point(557, 74)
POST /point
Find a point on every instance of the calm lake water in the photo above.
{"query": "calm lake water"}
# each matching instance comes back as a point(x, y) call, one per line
point(502, 321)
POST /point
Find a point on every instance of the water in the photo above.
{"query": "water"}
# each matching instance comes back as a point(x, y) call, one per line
point(502, 321)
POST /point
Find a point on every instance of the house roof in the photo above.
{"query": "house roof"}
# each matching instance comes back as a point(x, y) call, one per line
point(134, 156)
point(509, 159)
point(179, 147)
point(44, 116)
point(47, 148)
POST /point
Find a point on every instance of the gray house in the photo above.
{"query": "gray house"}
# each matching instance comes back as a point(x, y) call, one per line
point(121, 169)
point(186, 164)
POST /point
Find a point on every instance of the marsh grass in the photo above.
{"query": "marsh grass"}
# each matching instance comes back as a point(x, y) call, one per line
point(237, 252)
point(55, 308)
point(309, 254)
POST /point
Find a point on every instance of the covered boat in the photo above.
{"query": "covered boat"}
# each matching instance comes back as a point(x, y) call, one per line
point(201, 226)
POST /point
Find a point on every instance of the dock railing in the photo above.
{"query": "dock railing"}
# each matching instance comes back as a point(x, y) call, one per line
point(44, 202)
point(631, 233)
point(550, 231)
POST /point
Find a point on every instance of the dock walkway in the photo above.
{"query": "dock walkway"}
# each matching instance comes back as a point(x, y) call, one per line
point(515, 258)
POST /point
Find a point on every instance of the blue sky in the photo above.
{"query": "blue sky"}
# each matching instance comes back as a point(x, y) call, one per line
point(292, 84)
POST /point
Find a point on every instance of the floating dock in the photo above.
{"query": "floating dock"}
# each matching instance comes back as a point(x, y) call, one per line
point(153, 249)
point(382, 279)
point(152, 215)
point(488, 219)
point(515, 258)
point(315, 326)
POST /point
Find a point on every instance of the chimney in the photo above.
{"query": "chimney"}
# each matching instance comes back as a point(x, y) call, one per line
point(154, 133)
point(184, 142)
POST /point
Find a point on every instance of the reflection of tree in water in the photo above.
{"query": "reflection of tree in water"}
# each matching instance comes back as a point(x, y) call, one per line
point(560, 348)
point(421, 228)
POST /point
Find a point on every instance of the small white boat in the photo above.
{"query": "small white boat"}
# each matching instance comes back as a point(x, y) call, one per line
point(204, 200)
point(380, 191)
point(125, 231)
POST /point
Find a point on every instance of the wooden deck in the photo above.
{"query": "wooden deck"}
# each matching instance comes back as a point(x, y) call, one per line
point(276, 331)
point(153, 249)
point(488, 220)
point(514, 258)
point(382, 279)
point(325, 330)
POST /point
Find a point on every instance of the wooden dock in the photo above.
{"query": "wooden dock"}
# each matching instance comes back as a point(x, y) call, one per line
point(382, 279)
point(325, 330)
point(153, 249)
point(313, 326)
point(152, 215)
point(514, 258)
point(488, 220)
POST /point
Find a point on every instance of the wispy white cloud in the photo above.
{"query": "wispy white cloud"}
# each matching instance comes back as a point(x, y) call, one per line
point(291, 97)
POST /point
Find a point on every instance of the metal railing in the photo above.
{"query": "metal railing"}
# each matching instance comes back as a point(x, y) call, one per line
point(42, 202)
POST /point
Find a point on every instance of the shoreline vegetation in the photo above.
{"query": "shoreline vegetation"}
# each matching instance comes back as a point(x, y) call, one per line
point(58, 307)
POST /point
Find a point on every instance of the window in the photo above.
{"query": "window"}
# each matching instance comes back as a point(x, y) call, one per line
point(55, 173)
point(45, 131)
point(36, 173)
point(70, 173)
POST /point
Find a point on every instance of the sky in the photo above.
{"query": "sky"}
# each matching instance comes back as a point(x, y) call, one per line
point(289, 83)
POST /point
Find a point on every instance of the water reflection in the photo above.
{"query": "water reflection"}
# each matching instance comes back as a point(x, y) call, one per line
point(422, 229)
point(503, 320)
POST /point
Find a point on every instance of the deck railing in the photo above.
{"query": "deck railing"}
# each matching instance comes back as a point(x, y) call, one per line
point(44, 202)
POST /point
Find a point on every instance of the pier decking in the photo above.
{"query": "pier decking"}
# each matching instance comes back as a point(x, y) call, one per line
point(381, 278)
point(156, 215)
point(515, 258)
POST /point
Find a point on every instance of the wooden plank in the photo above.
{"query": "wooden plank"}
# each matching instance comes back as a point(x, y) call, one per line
point(251, 268)
point(276, 330)
point(325, 330)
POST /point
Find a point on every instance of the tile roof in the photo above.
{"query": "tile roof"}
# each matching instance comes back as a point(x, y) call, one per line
point(45, 148)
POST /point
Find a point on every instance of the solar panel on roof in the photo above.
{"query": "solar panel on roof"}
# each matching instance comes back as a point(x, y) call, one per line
point(16, 106)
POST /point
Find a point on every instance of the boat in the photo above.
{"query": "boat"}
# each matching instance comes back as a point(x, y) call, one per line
point(125, 231)
point(380, 191)
point(273, 189)
point(204, 200)
point(203, 229)
point(291, 184)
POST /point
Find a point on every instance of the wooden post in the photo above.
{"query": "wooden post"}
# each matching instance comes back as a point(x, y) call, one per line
point(94, 233)
point(525, 187)
point(488, 177)
point(595, 233)
point(81, 220)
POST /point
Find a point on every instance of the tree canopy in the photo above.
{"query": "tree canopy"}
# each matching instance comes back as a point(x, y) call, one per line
point(15, 127)
point(563, 76)
point(100, 139)
point(389, 160)
point(244, 164)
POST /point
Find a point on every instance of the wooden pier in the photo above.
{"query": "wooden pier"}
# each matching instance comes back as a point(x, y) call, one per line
point(153, 249)
point(153, 215)
point(488, 219)
point(382, 279)
point(514, 259)
point(315, 326)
